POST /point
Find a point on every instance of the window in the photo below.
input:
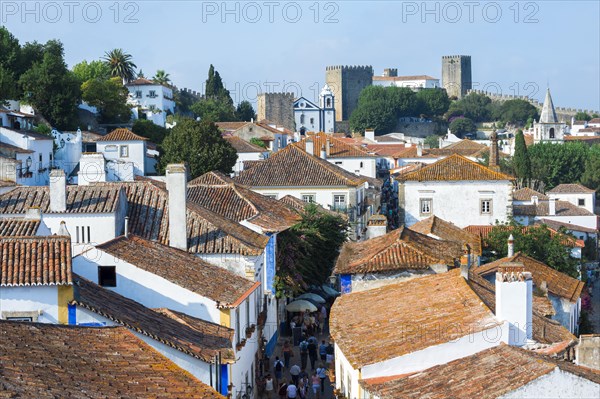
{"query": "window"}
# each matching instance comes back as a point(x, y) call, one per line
point(425, 206)
point(111, 148)
point(302, 118)
point(339, 202)
point(248, 312)
point(273, 196)
point(312, 121)
point(138, 94)
point(361, 165)
point(124, 153)
point(308, 198)
point(237, 325)
point(41, 160)
point(29, 319)
point(551, 132)
point(328, 102)
point(152, 94)
point(107, 276)
point(338, 162)
point(486, 206)
point(82, 234)
point(581, 201)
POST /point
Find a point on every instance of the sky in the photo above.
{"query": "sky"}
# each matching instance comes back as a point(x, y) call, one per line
point(516, 47)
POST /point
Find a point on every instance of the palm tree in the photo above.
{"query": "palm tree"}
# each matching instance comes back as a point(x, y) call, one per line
point(120, 64)
point(161, 77)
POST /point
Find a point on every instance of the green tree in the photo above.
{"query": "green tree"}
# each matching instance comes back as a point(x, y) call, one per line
point(461, 126)
point(380, 107)
point(433, 102)
point(109, 97)
point(591, 173)
point(474, 106)
point(433, 141)
point(91, 70)
point(183, 102)
point(536, 242)
point(10, 63)
point(214, 87)
point(200, 145)
point(150, 130)
point(308, 250)
point(521, 161)
point(244, 112)
point(557, 164)
point(120, 64)
point(258, 142)
point(582, 116)
point(161, 77)
point(52, 89)
point(516, 112)
point(214, 110)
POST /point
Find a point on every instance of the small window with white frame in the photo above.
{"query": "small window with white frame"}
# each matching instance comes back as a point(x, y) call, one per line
point(339, 202)
point(581, 201)
point(124, 151)
point(138, 94)
point(485, 206)
point(426, 206)
point(308, 198)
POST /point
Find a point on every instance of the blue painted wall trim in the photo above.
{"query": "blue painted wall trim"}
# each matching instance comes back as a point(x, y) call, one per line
point(270, 348)
point(270, 255)
point(72, 314)
point(346, 283)
point(224, 379)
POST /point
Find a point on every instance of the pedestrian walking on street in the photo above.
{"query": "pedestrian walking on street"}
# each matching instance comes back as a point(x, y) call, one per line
point(269, 387)
point(322, 373)
point(303, 352)
point(323, 351)
point(295, 373)
point(312, 351)
point(278, 368)
point(316, 383)
point(283, 389)
point(287, 353)
point(292, 391)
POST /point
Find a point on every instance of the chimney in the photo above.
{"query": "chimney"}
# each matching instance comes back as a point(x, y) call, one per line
point(376, 226)
point(323, 152)
point(310, 146)
point(493, 164)
point(370, 134)
point(552, 207)
point(534, 199)
point(126, 228)
point(33, 213)
point(511, 246)
point(58, 191)
point(419, 149)
point(465, 261)
point(62, 230)
point(177, 187)
point(328, 146)
point(514, 299)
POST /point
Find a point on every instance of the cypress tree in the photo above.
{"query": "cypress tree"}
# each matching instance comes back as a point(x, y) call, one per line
point(521, 161)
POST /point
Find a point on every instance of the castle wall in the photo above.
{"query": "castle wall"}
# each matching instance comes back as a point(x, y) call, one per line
point(277, 108)
point(346, 83)
point(456, 75)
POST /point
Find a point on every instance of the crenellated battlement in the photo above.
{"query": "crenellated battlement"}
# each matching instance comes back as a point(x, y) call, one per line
point(353, 68)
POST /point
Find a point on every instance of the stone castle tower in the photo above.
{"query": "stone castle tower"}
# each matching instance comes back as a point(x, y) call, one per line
point(277, 108)
point(346, 82)
point(456, 75)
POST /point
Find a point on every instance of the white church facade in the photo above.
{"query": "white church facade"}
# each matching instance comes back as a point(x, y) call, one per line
point(549, 128)
point(310, 117)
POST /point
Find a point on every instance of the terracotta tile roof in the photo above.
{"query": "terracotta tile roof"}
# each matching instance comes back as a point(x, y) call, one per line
point(594, 120)
point(483, 231)
point(402, 78)
point(393, 150)
point(242, 146)
point(52, 361)
point(26, 261)
point(4, 183)
point(558, 283)
point(220, 194)
point(505, 369)
point(571, 189)
point(454, 168)
point(543, 306)
point(545, 330)
point(121, 134)
point(309, 171)
point(195, 337)
point(465, 147)
point(298, 205)
point(273, 127)
point(563, 208)
point(179, 267)
point(400, 249)
point(376, 325)
point(208, 232)
point(590, 130)
point(408, 168)
point(141, 82)
point(586, 139)
point(555, 225)
point(337, 148)
point(18, 227)
point(448, 231)
point(525, 194)
point(230, 126)
point(529, 140)
point(80, 199)
point(10, 150)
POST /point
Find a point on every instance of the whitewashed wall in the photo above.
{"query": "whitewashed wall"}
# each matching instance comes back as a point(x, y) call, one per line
point(556, 385)
point(137, 153)
point(31, 299)
point(590, 199)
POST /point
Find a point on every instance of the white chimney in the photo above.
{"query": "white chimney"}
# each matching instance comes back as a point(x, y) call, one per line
point(370, 134)
point(534, 199)
point(419, 149)
point(465, 261)
point(552, 207)
point(376, 226)
point(514, 299)
point(327, 146)
point(126, 232)
point(58, 191)
point(310, 146)
point(177, 187)
point(511, 246)
point(33, 213)
point(62, 230)
point(323, 153)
